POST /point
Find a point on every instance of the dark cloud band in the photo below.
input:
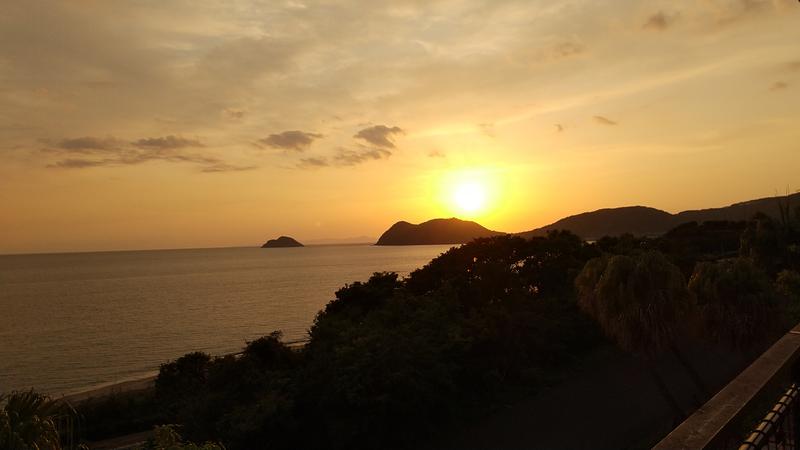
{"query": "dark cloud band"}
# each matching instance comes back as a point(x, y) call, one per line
point(110, 152)
point(379, 135)
point(291, 140)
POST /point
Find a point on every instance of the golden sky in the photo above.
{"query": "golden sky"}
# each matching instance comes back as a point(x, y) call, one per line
point(168, 124)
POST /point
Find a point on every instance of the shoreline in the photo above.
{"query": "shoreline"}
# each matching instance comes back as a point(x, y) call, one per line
point(141, 383)
point(138, 383)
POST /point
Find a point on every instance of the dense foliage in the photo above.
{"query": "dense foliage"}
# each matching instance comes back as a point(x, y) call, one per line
point(27, 421)
point(640, 301)
point(737, 302)
point(389, 360)
point(117, 414)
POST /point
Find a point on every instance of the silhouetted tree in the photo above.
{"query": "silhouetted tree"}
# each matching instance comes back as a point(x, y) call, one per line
point(737, 304)
point(181, 381)
point(385, 378)
point(764, 243)
point(26, 421)
point(693, 242)
point(642, 304)
point(788, 283)
point(117, 414)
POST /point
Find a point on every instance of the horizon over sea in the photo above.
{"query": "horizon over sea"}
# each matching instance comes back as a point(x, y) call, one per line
point(72, 321)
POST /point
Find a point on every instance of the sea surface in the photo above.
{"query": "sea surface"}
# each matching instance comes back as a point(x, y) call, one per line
point(77, 320)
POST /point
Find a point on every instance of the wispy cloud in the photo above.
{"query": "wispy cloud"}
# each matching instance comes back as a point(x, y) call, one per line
point(791, 66)
point(346, 157)
point(87, 144)
point(487, 129)
point(71, 163)
point(234, 113)
point(379, 135)
point(167, 143)
point(779, 86)
point(659, 21)
point(567, 48)
point(313, 163)
point(225, 167)
point(291, 140)
point(604, 120)
point(110, 152)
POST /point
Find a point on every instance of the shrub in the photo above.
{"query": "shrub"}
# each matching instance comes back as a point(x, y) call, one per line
point(737, 303)
point(27, 421)
point(166, 437)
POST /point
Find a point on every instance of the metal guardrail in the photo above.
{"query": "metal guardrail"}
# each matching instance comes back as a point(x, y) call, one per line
point(779, 428)
point(731, 418)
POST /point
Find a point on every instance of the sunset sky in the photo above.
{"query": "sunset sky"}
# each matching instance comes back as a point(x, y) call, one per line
point(169, 124)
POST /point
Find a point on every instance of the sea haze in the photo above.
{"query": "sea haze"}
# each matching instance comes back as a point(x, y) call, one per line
point(70, 321)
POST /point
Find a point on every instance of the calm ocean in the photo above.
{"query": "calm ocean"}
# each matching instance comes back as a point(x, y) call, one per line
point(71, 321)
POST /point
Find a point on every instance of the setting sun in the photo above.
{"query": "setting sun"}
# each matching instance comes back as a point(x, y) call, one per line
point(470, 197)
point(472, 193)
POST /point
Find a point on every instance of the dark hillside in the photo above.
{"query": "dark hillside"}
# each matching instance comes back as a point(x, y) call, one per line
point(645, 221)
point(436, 231)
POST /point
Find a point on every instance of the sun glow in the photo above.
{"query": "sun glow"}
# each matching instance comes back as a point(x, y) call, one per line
point(468, 193)
point(470, 197)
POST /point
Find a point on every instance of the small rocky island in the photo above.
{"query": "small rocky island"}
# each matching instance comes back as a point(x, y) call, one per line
point(283, 241)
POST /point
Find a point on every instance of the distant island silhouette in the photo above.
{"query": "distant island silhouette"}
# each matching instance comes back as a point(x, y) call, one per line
point(436, 231)
point(283, 241)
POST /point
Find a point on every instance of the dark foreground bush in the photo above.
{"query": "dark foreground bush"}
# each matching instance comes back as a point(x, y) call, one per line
point(117, 414)
point(28, 421)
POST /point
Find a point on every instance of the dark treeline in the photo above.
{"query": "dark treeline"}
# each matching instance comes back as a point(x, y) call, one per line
point(389, 361)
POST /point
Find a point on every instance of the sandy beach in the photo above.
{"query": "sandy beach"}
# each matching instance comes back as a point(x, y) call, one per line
point(138, 384)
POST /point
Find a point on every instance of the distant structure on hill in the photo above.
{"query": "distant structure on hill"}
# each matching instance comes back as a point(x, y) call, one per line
point(283, 241)
point(436, 231)
point(644, 221)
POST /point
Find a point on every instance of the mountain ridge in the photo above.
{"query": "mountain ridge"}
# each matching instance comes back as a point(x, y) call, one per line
point(644, 220)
